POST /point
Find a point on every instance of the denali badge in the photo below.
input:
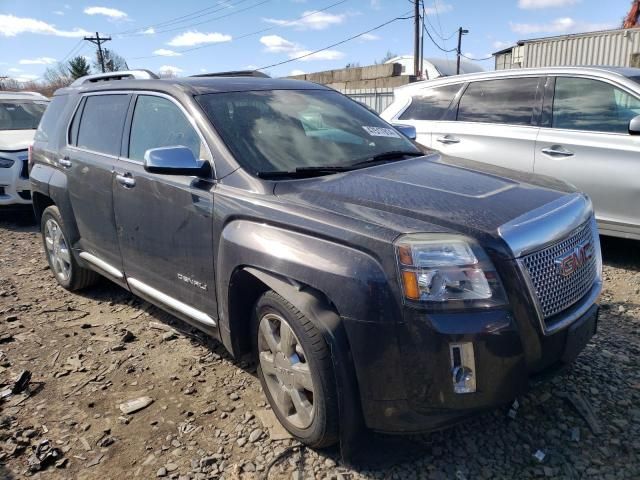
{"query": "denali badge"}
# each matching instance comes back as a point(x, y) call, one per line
point(193, 282)
point(576, 258)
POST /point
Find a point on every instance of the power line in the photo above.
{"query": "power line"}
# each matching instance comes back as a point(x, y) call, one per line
point(339, 43)
point(184, 27)
point(74, 50)
point(189, 16)
point(440, 35)
point(477, 59)
point(250, 34)
point(436, 43)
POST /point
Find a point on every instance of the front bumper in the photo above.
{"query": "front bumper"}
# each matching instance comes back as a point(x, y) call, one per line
point(14, 181)
point(408, 387)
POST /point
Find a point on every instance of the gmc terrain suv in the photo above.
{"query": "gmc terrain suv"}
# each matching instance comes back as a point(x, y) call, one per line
point(373, 285)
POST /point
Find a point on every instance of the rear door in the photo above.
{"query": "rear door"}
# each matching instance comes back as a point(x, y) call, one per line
point(587, 144)
point(165, 222)
point(428, 106)
point(88, 161)
point(496, 122)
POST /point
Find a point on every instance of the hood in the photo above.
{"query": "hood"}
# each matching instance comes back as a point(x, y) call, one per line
point(11, 140)
point(424, 195)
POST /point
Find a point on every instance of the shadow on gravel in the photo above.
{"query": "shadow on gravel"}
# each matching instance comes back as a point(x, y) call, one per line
point(621, 252)
point(5, 474)
point(19, 218)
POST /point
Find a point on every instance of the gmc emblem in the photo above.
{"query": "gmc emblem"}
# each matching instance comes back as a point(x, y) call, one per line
point(571, 262)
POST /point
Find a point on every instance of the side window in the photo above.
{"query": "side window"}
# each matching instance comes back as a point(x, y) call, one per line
point(585, 104)
point(158, 122)
point(430, 104)
point(509, 101)
point(102, 123)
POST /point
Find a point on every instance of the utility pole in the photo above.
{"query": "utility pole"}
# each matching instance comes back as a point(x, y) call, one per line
point(461, 32)
point(416, 39)
point(97, 40)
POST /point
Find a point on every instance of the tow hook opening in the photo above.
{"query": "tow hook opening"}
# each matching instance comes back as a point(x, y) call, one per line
point(463, 367)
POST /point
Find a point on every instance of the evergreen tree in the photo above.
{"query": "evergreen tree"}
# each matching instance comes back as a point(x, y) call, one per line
point(78, 67)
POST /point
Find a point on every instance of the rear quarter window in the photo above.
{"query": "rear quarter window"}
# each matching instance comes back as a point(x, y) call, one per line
point(102, 123)
point(431, 104)
point(49, 121)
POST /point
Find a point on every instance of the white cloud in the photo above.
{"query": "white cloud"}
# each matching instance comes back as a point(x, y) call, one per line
point(559, 25)
point(369, 37)
point(112, 13)
point(189, 39)
point(169, 70)
point(25, 78)
point(536, 4)
point(276, 43)
point(15, 70)
point(164, 52)
point(375, 4)
point(10, 26)
point(296, 72)
point(310, 20)
point(499, 45)
point(37, 61)
point(324, 55)
point(148, 31)
point(58, 12)
point(438, 7)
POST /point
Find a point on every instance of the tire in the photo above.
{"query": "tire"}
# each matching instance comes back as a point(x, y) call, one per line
point(66, 270)
point(291, 386)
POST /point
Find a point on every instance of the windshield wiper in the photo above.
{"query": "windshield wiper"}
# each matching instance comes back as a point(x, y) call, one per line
point(392, 155)
point(302, 172)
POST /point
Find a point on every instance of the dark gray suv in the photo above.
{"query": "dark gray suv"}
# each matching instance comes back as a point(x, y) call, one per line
point(374, 286)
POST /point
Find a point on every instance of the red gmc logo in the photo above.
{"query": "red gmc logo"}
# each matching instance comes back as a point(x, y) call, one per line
point(571, 262)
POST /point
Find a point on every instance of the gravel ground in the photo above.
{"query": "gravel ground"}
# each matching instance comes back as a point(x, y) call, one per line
point(91, 351)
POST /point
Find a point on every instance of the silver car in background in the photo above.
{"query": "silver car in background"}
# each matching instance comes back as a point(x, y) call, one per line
point(577, 124)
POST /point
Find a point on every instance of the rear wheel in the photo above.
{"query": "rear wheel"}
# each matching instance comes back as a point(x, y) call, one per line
point(66, 270)
point(296, 371)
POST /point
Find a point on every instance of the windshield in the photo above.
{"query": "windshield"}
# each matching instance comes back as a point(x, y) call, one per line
point(20, 114)
point(285, 130)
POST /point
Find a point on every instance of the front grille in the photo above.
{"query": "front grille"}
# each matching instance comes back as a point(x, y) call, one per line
point(553, 291)
point(25, 194)
point(24, 172)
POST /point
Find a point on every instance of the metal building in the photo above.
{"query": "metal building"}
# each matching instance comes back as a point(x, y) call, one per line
point(619, 48)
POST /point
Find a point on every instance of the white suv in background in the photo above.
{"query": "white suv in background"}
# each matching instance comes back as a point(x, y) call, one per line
point(578, 124)
point(20, 114)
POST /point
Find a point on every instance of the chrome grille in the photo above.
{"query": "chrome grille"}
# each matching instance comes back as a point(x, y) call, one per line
point(554, 292)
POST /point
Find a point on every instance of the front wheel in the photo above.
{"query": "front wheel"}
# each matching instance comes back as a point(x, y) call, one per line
point(68, 273)
point(296, 371)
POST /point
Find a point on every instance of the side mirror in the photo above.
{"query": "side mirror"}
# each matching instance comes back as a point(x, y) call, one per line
point(408, 131)
point(174, 161)
point(634, 126)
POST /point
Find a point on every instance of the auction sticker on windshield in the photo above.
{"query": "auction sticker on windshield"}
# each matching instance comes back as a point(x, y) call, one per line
point(381, 132)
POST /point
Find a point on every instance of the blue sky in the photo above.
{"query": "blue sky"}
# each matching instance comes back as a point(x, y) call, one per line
point(194, 36)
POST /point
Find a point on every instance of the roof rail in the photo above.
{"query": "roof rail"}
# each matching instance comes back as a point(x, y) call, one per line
point(124, 74)
point(235, 73)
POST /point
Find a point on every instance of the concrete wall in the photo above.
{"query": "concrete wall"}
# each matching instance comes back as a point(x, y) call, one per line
point(388, 75)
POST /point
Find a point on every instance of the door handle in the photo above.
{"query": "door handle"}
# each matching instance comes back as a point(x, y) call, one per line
point(557, 151)
point(65, 162)
point(448, 139)
point(126, 180)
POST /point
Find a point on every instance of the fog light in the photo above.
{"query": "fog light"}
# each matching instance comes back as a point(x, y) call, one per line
point(463, 366)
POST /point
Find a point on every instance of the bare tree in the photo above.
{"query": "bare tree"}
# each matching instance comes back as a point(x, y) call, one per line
point(112, 61)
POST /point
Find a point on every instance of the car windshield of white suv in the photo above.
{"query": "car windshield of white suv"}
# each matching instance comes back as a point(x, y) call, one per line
point(20, 115)
point(302, 132)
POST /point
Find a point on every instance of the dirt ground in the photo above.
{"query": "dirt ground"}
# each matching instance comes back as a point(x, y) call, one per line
point(91, 351)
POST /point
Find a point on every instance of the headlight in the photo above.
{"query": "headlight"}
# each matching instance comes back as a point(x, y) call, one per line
point(6, 162)
point(446, 271)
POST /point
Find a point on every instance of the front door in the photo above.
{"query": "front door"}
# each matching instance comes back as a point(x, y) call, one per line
point(165, 221)
point(588, 145)
point(88, 161)
point(496, 123)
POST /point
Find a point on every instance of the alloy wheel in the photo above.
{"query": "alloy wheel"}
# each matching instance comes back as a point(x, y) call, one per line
point(57, 249)
point(285, 370)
